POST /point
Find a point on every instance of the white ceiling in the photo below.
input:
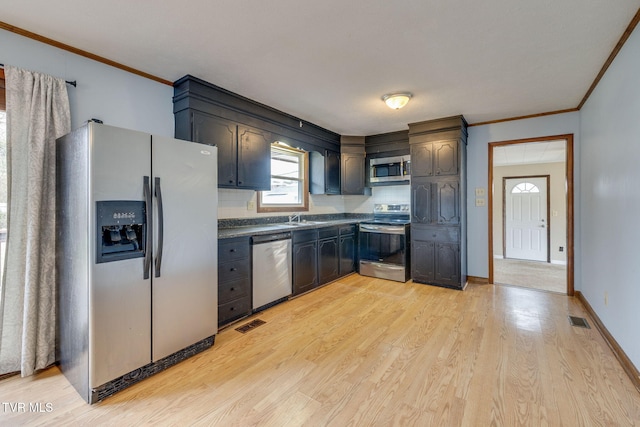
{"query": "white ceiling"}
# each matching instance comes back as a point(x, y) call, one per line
point(330, 61)
point(530, 152)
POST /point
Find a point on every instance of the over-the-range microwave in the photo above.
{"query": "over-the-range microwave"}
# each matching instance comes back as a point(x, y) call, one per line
point(390, 169)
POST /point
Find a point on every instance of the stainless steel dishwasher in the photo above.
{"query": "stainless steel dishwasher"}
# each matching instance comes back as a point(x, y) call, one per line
point(271, 269)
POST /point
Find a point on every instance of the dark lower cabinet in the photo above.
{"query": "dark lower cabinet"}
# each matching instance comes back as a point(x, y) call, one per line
point(234, 279)
point(435, 254)
point(322, 255)
point(328, 261)
point(347, 250)
point(305, 261)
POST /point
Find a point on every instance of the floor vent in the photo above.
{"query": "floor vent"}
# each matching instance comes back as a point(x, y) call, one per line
point(580, 322)
point(250, 326)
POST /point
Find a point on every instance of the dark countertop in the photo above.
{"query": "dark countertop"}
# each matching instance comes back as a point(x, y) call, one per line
point(258, 229)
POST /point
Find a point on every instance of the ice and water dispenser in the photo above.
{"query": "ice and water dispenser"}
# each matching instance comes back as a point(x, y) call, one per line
point(121, 230)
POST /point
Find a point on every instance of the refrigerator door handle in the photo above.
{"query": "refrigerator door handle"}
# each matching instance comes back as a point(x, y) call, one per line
point(160, 228)
point(148, 243)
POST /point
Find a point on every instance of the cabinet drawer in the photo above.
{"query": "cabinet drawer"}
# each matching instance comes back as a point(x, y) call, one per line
point(233, 270)
point(305, 236)
point(327, 232)
point(434, 233)
point(233, 310)
point(230, 249)
point(347, 229)
point(229, 291)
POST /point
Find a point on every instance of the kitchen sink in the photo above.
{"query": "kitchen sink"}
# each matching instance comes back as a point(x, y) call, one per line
point(301, 223)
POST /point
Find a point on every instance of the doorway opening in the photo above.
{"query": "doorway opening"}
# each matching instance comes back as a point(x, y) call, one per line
point(531, 213)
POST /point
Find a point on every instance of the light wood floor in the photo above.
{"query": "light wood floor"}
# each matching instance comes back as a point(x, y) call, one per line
point(365, 351)
point(530, 274)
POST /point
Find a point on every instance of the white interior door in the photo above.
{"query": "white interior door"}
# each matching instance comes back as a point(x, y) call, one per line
point(526, 223)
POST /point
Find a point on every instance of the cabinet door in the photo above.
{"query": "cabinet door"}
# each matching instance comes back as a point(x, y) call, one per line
point(352, 173)
point(328, 262)
point(422, 200)
point(422, 261)
point(422, 159)
point(447, 264)
point(445, 158)
point(305, 271)
point(347, 254)
point(332, 172)
point(254, 159)
point(448, 202)
point(223, 134)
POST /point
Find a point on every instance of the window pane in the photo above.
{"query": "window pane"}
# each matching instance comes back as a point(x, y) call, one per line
point(285, 165)
point(283, 192)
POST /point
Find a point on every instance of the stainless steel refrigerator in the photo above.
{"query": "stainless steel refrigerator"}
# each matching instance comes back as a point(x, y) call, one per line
point(136, 255)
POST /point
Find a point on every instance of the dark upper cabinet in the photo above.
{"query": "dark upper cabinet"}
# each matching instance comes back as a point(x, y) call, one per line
point(422, 159)
point(254, 159)
point(223, 134)
point(434, 158)
point(332, 171)
point(445, 158)
point(422, 200)
point(244, 153)
point(325, 172)
point(447, 206)
point(352, 174)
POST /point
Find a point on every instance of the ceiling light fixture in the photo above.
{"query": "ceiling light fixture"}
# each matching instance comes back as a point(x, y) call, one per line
point(397, 100)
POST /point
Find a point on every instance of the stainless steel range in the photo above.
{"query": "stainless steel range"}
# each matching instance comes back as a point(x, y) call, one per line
point(384, 243)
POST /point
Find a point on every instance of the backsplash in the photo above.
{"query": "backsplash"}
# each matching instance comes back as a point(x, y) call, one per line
point(242, 203)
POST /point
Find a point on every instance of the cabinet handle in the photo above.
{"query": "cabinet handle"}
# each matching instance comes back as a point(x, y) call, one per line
point(234, 269)
point(239, 182)
point(232, 289)
point(232, 250)
point(232, 308)
point(230, 181)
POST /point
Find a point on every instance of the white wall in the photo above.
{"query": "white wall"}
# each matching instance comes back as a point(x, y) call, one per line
point(242, 203)
point(610, 203)
point(478, 175)
point(114, 96)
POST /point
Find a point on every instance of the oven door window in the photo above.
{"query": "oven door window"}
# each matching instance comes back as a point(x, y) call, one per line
point(384, 248)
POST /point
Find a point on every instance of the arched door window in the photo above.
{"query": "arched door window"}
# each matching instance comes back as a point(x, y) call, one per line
point(525, 187)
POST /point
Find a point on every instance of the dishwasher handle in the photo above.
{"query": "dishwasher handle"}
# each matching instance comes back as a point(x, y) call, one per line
point(266, 238)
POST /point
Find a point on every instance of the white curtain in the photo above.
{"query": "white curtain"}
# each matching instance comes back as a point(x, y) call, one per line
point(37, 114)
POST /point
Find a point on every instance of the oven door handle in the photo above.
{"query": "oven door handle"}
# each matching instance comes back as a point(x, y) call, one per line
point(384, 229)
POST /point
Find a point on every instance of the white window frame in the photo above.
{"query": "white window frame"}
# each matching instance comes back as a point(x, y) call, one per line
point(303, 180)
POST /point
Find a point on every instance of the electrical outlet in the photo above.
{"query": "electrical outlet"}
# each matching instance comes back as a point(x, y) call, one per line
point(480, 192)
point(561, 249)
point(480, 202)
point(251, 205)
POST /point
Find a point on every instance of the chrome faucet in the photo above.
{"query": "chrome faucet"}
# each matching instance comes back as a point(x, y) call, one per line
point(294, 217)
